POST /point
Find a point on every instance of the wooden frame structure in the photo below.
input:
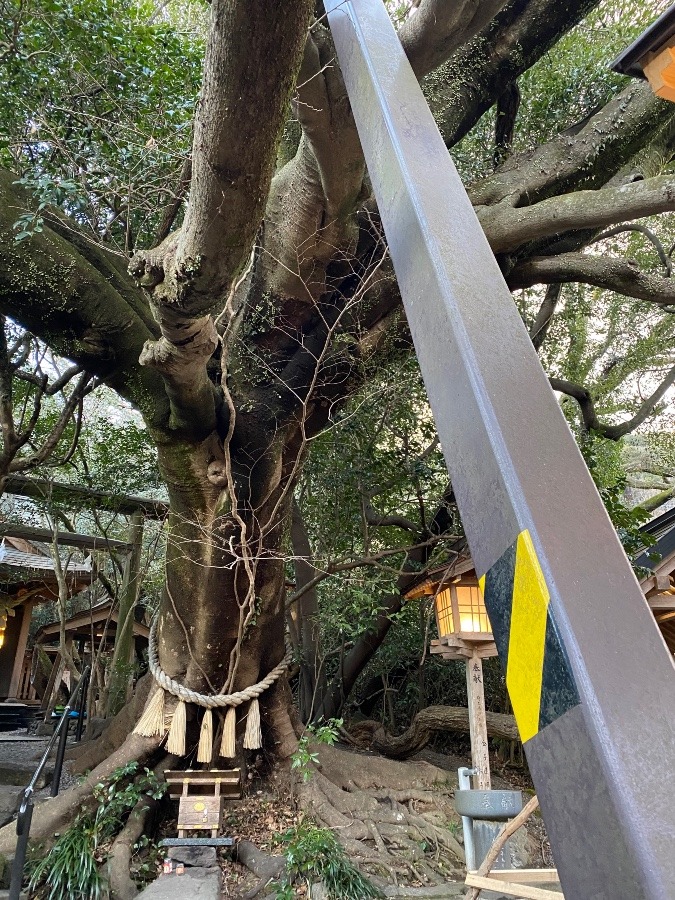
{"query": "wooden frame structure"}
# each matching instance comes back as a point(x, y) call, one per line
point(201, 795)
point(512, 882)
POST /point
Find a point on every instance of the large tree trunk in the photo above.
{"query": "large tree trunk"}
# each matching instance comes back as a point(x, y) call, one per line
point(222, 617)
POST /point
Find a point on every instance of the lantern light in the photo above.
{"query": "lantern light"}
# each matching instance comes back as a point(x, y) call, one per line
point(652, 56)
point(460, 610)
point(464, 632)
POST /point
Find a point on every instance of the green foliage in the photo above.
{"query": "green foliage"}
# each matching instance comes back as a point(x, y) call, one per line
point(314, 854)
point(305, 757)
point(96, 111)
point(610, 480)
point(70, 870)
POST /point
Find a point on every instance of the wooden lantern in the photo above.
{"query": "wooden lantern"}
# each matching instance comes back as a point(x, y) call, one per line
point(463, 625)
point(652, 56)
point(464, 632)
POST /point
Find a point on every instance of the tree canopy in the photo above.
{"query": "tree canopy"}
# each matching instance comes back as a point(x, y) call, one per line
point(187, 219)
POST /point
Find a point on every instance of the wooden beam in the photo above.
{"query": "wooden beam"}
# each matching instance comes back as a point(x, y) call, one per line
point(525, 876)
point(20, 653)
point(664, 617)
point(662, 601)
point(73, 495)
point(480, 756)
point(96, 616)
point(65, 538)
point(522, 891)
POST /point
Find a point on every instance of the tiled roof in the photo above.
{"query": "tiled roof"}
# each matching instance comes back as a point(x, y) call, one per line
point(36, 561)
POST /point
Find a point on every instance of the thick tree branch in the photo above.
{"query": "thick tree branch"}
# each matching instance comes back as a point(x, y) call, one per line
point(310, 214)
point(620, 275)
point(438, 27)
point(476, 74)
point(651, 504)
point(507, 228)
point(253, 54)
point(589, 414)
point(49, 286)
point(380, 520)
point(586, 158)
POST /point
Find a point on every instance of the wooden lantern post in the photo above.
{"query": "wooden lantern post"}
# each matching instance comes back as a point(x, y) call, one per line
point(464, 632)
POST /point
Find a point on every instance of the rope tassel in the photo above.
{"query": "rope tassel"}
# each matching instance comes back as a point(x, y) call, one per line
point(227, 744)
point(253, 736)
point(176, 742)
point(151, 722)
point(205, 749)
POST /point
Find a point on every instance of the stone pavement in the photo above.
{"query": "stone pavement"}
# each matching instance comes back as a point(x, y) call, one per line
point(198, 883)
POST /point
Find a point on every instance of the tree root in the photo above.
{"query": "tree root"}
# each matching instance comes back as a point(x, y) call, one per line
point(265, 866)
point(392, 830)
point(122, 885)
point(53, 814)
point(424, 725)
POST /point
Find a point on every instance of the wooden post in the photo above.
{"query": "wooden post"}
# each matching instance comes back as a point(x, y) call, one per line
point(120, 669)
point(480, 758)
point(55, 679)
point(20, 654)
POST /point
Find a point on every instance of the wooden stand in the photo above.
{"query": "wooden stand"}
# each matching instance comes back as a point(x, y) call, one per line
point(480, 756)
point(200, 795)
point(513, 882)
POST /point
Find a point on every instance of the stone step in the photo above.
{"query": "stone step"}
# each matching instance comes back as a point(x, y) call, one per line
point(196, 884)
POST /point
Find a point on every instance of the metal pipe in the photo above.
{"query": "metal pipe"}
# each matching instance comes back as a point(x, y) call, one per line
point(464, 782)
point(60, 752)
point(81, 706)
point(25, 815)
point(23, 831)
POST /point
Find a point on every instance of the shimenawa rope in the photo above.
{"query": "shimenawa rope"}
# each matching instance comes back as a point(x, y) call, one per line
point(152, 721)
point(211, 701)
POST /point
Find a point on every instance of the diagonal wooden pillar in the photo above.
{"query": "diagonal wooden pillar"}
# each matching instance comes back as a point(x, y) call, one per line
point(591, 682)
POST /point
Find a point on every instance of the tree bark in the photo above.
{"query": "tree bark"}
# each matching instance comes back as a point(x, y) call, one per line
point(123, 654)
point(429, 721)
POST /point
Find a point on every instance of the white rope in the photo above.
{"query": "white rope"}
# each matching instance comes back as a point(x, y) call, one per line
point(210, 701)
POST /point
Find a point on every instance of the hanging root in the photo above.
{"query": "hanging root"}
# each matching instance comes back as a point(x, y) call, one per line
point(393, 819)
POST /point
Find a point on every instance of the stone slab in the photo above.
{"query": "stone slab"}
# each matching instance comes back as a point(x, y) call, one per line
point(19, 774)
point(195, 884)
point(198, 842)
point(194, 856)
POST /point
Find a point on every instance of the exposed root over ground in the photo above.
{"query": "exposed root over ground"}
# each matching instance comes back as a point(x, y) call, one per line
point(396, 820)
point(426, 723)
point(52, 815)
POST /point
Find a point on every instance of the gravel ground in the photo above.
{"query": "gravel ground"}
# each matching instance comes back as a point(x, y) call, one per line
point(15, 748)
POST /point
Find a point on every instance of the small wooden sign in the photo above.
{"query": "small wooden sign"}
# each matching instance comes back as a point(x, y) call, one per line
point(201, 794)
point(199, 813)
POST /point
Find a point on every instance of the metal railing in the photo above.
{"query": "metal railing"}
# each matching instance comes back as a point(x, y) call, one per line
point(25, 814)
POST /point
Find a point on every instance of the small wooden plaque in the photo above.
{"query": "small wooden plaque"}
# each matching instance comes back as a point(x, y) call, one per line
point(199, 813)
